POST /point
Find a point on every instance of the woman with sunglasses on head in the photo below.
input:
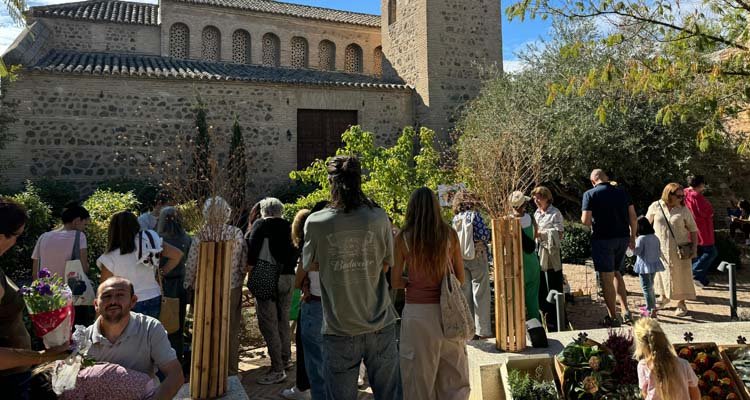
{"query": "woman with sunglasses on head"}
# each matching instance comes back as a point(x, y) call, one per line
point(678, 234)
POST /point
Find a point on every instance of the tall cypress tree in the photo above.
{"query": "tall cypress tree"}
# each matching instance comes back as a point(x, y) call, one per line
point(201, 168)
point(237, 166)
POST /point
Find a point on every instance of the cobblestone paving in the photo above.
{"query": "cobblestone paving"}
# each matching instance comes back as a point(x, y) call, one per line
point(711, 305)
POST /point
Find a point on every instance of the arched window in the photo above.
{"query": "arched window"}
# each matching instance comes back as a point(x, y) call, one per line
point(211, 48)
point(241, 47)
point(271, 50)
point(353, 59)
point(327, 55)
point(179, 40)
point(377, 56)
point(299, 52)
point(391, 11)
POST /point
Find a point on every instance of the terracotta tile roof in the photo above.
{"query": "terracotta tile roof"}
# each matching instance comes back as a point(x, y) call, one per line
point(296, 10)
point(135, 65)
point(123, 12)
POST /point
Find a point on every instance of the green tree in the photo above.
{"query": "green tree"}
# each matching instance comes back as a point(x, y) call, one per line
point(694, 56)
point(390, 174)
point(201, 167)
point(237, 166)
point(579, 133)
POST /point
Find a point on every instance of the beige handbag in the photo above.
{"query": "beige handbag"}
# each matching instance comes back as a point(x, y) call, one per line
point(170, 310)
point(458, 322)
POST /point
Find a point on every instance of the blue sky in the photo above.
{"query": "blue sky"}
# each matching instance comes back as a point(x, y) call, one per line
point(515, 34)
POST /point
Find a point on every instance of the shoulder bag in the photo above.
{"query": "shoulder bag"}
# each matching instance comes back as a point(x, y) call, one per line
point(79, 283)
point(169, 316)
point(684, 250)
point(458, 323)
point(464, 226)
point(264, 278)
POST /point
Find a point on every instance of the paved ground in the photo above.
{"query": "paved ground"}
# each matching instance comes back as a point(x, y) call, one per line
point(712, 305)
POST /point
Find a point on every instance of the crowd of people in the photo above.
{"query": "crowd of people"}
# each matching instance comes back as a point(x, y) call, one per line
point(347, 259)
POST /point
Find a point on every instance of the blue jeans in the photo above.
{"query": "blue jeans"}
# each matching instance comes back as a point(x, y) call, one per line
point(343, 354)
point(701, 264)
point(647, 284)
point(312, 342)
point(150, 307)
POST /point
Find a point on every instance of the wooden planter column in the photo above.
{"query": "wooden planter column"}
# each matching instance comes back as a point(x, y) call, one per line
point(510, 308)
point(209, 366)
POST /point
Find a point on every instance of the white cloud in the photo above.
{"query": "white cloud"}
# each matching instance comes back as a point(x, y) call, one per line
point(511, 66)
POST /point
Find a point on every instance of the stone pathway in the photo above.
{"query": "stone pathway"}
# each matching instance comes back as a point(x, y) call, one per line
point(712, 305)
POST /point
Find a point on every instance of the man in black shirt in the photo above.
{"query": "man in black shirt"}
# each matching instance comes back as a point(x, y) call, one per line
point(610, 213)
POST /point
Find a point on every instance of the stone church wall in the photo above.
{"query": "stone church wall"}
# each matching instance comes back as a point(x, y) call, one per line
point(102, 36)
point(90, 129)
point(228, 20)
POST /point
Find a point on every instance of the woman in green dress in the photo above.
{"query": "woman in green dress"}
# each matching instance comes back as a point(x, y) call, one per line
point(531, 267)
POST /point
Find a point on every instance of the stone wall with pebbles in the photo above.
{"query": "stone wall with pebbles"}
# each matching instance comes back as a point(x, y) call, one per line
point(90, 129)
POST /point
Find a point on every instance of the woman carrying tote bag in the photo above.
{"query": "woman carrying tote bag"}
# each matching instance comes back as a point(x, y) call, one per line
point(433, 360)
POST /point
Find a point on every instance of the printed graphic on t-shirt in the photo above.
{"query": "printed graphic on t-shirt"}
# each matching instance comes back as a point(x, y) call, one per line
point(351, 251)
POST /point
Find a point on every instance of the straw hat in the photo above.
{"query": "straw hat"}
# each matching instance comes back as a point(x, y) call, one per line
point(517, 199)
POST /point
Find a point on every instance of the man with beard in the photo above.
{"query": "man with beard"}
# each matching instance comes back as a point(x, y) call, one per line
point(132, 340)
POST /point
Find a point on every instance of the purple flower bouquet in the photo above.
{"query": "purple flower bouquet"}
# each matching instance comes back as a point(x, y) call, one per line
point(50, 306)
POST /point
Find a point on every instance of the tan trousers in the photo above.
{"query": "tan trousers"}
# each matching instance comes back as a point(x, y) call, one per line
point(432, 367)
point(235, 319)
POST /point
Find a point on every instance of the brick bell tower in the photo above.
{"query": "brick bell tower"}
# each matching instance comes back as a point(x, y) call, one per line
point(440, 47)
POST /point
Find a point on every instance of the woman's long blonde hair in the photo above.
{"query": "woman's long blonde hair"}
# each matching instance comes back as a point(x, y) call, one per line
point(427, 234)
point(652, 345)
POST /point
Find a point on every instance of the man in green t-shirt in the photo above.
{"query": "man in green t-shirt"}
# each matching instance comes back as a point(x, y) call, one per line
point(351, 244)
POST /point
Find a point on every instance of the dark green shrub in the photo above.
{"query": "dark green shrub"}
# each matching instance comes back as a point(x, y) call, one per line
point(576, 243)
point(727, 248)
point(145, 191)
point(56, 193)
point(16, 262)
point(102, 205)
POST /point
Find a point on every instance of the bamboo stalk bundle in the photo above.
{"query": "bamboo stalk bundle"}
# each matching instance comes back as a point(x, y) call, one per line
point(209, 364)
point(510, 309)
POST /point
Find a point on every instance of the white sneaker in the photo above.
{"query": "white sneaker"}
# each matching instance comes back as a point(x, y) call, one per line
point(272, 378)
point(294, 393)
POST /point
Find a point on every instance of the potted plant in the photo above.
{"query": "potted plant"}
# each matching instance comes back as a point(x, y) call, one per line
point(585, 368)
point(526, 386)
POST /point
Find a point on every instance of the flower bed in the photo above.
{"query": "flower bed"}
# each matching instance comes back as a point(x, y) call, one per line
point(739, 362)
point(715, 380)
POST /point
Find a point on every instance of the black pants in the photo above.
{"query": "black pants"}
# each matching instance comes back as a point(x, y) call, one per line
point(549, 280)
point(303, 382)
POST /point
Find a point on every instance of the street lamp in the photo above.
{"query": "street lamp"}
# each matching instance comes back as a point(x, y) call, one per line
point(731, 268)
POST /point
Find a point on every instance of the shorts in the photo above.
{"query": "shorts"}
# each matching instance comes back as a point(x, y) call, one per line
point(609, 254)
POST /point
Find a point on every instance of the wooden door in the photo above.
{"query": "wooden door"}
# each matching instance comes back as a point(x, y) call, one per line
point(319, 133)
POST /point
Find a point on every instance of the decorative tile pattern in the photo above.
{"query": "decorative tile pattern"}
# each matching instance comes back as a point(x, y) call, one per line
point(327, 55)
point(211, 44)
point(299, 52)
point(271, 50)
point(179, 40)
point(241, 47)
point(377, 55)
point(353, 59)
